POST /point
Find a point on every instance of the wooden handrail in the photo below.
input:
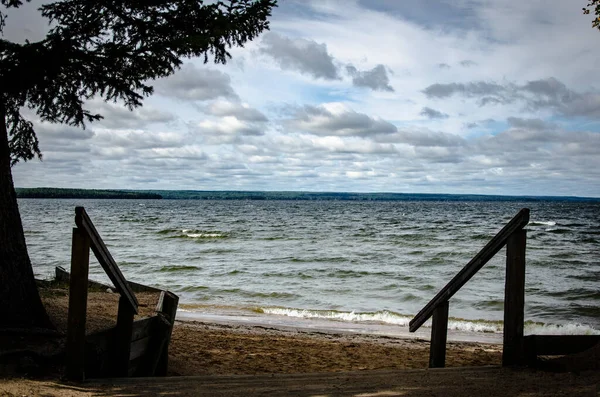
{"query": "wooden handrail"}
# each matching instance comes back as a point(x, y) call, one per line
point(466, 273)
point(83, 221)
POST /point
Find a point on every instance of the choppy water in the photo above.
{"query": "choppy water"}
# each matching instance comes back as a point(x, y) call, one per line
point(358, 262)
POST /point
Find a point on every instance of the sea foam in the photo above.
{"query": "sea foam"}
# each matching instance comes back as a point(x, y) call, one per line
point(455, 324)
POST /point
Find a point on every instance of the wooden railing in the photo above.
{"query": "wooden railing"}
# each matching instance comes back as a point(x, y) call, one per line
point(119, 351)
point(514, 237)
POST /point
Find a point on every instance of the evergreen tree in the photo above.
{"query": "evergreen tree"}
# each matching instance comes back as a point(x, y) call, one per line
point(109, 49)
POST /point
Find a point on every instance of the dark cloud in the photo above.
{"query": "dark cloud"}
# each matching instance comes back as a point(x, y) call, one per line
point(423, 137)
point(191, 83)
point(467, 63)
point(474, 89)
point(443, 66)
point(339, 120)
point(305, 56)
point(435, 14)
point(536, 145)
point(61, 131)
point(542, 94)
point(375, 79)
point(116, 116)
point(433, 114)
point(531, 124)
point(471, 125)
point(137, 139)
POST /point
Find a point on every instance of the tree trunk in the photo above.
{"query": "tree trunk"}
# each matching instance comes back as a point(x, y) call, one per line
point(20, 303)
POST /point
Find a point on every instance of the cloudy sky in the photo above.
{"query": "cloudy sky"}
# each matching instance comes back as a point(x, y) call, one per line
point(443, 96)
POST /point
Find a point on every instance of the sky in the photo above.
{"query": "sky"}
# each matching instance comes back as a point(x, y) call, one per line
point(464, 96)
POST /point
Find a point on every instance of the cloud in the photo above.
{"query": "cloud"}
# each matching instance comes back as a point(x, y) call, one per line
point(443, 66)
point(470, 90)
point(137, 139)
point(61, 131)
point(375, 79)
point(531, 124)
point(467, 63)
point(25, 22)
point(338, 119)
point(433, 114)
point(228, 129)
point(120, 117)
point(541, 94)
point(238, 110)
point(302, 55)
point(423, 137)
point(199, 84)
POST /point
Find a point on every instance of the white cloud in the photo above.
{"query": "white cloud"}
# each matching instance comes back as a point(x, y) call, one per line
point(485, 97)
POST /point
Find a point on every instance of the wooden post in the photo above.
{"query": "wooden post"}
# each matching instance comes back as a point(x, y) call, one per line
point(122, 342)
point(514, 300)
point(439, 334)
point(167, 305)
point(78, 290)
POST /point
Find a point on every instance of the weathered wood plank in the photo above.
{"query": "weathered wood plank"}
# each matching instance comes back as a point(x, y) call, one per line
point(137, 287)
point(496, 243)
point(514, 299)
point(167, 305)
point(62, 275)
point(104, 257)
point(122, 341)
point(162, 331)
point(139, 347)
point(555, 345)
point(439, 335)
point(78, 288)
point(143, 327)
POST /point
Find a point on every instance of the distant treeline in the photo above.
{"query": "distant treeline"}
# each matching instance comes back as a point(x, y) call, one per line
point(259, 195)
point(50, 192)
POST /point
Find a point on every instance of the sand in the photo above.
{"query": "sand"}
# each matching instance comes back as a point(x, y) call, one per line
point(220, 351)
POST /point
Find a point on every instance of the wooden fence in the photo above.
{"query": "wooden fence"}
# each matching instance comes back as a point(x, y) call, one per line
point(137, 348)
point(517, 349)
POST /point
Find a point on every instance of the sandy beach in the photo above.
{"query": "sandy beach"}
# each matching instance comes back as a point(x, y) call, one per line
point(219, 351)
point(199, 348)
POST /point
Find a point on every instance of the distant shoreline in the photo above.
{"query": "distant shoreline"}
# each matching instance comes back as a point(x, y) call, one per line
point(61, 193)
point(56, 193)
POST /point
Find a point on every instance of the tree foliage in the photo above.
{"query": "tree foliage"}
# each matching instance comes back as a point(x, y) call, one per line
point(595, 6)
point(112, 49)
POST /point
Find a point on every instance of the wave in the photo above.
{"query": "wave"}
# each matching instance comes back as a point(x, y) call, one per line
point(542, 223)
point(559, 329)
point(558, 230)
point(455, 324)
point(193, 233)
point(384, 316)
point(177, 268)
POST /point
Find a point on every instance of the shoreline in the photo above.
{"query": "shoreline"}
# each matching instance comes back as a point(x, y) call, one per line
point(327, 326)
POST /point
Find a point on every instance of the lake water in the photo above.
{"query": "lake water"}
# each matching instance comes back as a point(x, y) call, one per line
point(363, 266)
